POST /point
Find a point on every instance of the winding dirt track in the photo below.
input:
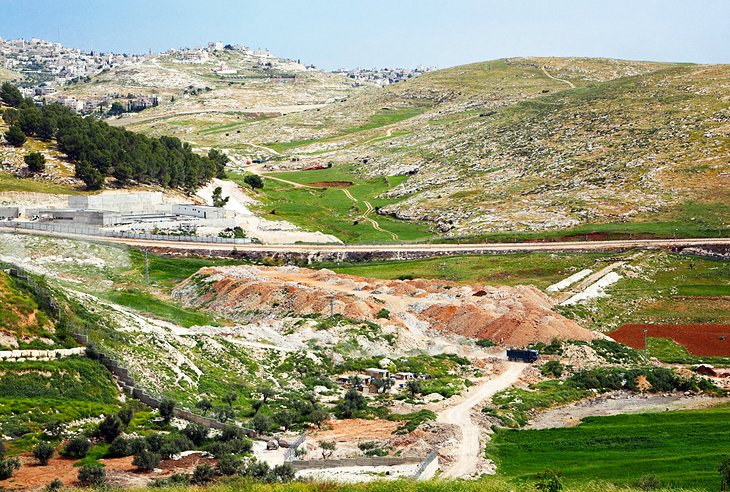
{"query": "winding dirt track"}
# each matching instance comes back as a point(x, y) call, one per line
point(469, 449)
point(572, 86)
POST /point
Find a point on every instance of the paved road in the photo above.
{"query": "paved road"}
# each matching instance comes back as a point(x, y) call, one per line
point(576, 246)
point(470, 449)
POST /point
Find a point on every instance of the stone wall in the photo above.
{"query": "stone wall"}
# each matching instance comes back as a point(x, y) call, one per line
point(29, 354)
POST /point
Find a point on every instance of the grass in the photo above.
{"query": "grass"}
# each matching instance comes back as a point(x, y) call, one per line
point(151, 304)
point(669, 351)
point(331, 211)
point(376, 120)
point(682, 449)
point(539, 269)
point(10, 182)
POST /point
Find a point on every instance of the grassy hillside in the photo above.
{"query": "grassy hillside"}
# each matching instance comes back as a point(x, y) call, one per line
point(535, 145)
point(681, 449)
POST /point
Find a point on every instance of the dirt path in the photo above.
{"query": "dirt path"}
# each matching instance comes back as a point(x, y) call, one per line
point(470, 450)
point(572, 86)
point(366, 215)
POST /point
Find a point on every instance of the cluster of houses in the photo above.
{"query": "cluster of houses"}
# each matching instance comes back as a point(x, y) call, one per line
point(374, 379)
point(53, 63)
point(383, 76)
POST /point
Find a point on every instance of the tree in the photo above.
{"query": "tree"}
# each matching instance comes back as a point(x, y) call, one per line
point(126, 415)
point(10, 95)
point(119, 447)
point(45, 130)
point(328, 447)
point(92, 178)
point(220, 160)
point(352, 402)
point(92, 476)
point(15, 136)
point(202, 474)
point(318, 416)
point(254, 181)
point(285, 419)
point(724, 469)
point(2, 449)
point(260, 423)
point(224, 414)
point(218, 200)
point(266, 392)
point(8, 466)
point(257, 405)
point(110, 428)
point(283, 473)
point(116, 109)
point(167, 409)
point(228, 465)
point(230, 398)
point(197, 433)
point(43, 452)
point(77, 447)
point(204, 405)
point(146, 460)
point(54, 486)
point(414, 387)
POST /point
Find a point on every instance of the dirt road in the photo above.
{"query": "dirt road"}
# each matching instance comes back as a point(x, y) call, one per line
point(572, 86)
point(470, 449)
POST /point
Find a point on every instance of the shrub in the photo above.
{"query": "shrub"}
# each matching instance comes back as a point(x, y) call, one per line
point(648, 482)
point(175, 445)
point(8, 467)
point(204, 405)
point(197, 433)
point(54, 486)
point(552, 368)
point(351, 403)
point(119, 447)
point(283, 473)
point(92, 476)
point(2, 449)
point(167, 409)
point(126, 415)
point(228, 465)
point(261, 423)
point(43, 452)
point(549, 481)
point(724, 469)
point(35, 161)
point(15, 136)
point(485, 342)
point(230, 432)
point(146, 460)
point(383, 314)
point(77, 447)
point(110, 428)
point(155, 442)
point(202, 474)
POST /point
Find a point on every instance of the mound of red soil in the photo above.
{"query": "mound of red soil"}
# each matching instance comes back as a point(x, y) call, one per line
point(332, 184)
point(701, 340)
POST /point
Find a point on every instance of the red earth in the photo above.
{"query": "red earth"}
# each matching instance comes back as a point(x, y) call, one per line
point(701, 339)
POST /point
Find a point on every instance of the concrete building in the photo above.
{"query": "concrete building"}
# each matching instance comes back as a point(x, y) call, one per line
point(9, 213)
point(150, 202)
point(202, 211)
point(81, 218)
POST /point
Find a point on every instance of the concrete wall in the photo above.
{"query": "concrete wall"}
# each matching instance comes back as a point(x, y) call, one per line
point(428, 467)
point(124, 203)
point(9, 212)
point(203, 211)
point(26, 354)
point(82, 218)
point(376, 461)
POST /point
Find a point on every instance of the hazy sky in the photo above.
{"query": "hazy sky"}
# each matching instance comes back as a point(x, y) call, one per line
point(348, 33)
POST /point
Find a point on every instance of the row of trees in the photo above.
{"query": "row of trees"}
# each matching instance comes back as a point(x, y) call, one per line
point(100, 150)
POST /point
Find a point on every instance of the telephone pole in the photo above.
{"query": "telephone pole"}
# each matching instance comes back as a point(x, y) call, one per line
point(146, 267)
point(645, 331)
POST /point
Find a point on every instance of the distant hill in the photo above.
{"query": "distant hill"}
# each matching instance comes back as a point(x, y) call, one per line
point(535, 144)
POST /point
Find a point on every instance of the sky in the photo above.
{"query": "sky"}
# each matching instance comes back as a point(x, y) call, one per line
point(387, 33)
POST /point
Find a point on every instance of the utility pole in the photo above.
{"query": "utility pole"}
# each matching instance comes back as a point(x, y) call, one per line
point(645, 330)
point(331, 299)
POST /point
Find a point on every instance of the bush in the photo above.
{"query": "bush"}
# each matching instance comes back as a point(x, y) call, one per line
point(43, 452)
point(167, 409)
point(176, 479)
point(2, 449)
point(54, 486)
point(230, 432)
point(485, 342)
point(261, 423)
point(197, 433)
point(549, 481)
point(110, 428)
point(383, 314)
point(77, 447)
point(119, 447)
point(228, 465)
point(175, 445)
point(552, 368)
point(35, 161)
point(202, 475)
point(283, 473)
point(126, 415)
point(649, 482)
point(92, 476)
point(8, 467)
point(724, 469)
point(146, 460)
point(350, 404)
point(15, 136)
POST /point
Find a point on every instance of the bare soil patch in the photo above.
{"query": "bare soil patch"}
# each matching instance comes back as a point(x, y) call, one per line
point(698, 339)
point(332, 184)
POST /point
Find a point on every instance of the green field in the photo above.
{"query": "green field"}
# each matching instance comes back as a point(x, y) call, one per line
point(331, 211)
point(9, 182)
point(682, 449)
point(538, 269)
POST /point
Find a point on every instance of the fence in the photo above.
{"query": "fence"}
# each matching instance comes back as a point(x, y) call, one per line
point(92, 231)
point(32, 354)
point(129, 386)
point(428, 467)
point(292, 451)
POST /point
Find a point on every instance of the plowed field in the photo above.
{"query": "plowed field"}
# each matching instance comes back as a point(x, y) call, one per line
point(702, 340)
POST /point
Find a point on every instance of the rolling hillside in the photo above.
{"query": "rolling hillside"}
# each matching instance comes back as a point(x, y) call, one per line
point(533, 145)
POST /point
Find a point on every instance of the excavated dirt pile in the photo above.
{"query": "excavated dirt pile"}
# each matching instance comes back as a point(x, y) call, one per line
point(507, 315)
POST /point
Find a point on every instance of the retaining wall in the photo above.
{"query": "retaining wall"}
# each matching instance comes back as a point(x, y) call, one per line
point(30, 354)
point(339, 463)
